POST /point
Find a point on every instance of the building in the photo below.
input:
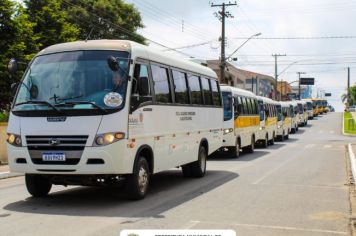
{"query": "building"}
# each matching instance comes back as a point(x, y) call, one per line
point(284, 88)
point(260, 84)
point(233, 77)
point(305, 91)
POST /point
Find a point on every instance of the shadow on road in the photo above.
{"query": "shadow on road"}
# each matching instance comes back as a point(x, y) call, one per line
point(168, 190)
point(222, 156)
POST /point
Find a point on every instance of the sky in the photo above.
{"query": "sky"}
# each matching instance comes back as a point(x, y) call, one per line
point(181, 23)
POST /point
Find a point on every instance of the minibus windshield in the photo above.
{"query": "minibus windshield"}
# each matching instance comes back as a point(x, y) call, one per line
point(77, 80)
point(227, 99)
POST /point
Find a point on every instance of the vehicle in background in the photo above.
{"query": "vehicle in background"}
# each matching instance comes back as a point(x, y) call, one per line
point(352, 108)
point(284, 121)
point(315, 107)
point(241, 120)
point(303, 115)
point(101, 111)
point(309, 106)
point(331, 108)
point(295, 116)
point(268, 121)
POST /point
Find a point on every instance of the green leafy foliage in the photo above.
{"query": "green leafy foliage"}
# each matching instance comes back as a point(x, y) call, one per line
point(4, 117)
point(352, 92)
point(27, 27)
point(105, 19)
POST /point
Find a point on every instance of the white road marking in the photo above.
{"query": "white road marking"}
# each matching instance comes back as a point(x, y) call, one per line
point(332, 132)
point(271, 171)
point(327, 146)
point(307, 186)
point(191, 224)
point(291, 228)
point(321, 131)
point(310, 146)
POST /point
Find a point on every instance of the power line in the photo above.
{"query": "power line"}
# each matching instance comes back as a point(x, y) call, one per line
point(127, 32)
point(301, 38)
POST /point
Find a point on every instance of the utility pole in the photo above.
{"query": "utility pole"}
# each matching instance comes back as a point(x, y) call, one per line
point(276, 73)
point(348, 86)
point(299, 73)
point(221, 16)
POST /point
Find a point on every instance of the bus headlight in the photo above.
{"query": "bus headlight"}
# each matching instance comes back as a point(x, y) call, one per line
point(14, 140)
point(279, 126)
point(107, 138)
point(226, 131)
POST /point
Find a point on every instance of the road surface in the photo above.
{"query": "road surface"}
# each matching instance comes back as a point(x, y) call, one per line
point(298, 187)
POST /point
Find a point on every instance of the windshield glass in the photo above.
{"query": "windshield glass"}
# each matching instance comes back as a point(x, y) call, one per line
point(309, 106)
point(227, 99)
point(68, 78)
point(279, 112)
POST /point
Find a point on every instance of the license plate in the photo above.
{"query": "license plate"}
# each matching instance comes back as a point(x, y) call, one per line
point(53, 157)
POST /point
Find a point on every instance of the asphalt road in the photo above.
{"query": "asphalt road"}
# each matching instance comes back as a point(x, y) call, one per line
point(297, 187)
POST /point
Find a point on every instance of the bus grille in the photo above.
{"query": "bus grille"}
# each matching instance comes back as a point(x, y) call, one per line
point(71, 146)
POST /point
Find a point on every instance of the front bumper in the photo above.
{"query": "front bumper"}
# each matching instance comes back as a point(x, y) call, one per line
point(116, 161)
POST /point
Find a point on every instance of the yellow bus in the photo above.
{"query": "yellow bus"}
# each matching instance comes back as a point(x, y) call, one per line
point(241, 120)
point(268, 121)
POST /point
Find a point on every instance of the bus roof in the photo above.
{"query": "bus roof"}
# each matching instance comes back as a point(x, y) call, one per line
point(238, 91)
point(136, 49)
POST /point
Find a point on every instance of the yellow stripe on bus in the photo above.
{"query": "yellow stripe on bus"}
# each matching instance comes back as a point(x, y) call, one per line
point(271, 121)
point(247, 121)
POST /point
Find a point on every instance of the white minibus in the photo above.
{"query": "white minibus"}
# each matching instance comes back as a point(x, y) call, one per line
point(284, 121)
point(101, 111)
point(241, 120)
point(309, 105)
point(268, 121)
point(295, 116)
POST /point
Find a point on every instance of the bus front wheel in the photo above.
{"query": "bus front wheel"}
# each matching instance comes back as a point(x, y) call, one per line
point(138, 181)
point(37, 185)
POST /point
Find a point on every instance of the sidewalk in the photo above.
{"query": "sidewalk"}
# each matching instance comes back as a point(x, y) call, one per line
point(5, 172)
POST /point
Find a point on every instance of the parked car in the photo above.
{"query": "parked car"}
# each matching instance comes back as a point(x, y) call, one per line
point(352, 108)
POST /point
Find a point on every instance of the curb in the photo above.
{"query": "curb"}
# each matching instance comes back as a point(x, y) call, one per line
point(5, 175)
point(353, 161)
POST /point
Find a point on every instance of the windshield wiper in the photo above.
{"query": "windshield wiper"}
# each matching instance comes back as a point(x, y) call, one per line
point(40, 102)
point(69, 98)
point(83, 102)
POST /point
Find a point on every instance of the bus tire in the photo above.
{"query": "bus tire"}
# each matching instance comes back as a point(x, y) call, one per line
point(265, 142)
point(235, 151)
point(37, 185)
point(283, 136)
point(251, 148)
point(198, 168)
point(137, 183)
point(271, 142)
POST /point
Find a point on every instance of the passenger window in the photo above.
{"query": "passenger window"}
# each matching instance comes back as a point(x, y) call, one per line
point(195, 90)
point(208, 99)
point(140, 90)
point(180, 87)
point(216, 93)
point(161, 84)
point(245, 106)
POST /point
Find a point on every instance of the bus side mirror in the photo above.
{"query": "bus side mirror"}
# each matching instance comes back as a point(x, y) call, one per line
point(143, 86)
point(236, 114)
point(113, 63)
point(285, 114)
point(13, 89)
point(267, 112)
point(12, 66)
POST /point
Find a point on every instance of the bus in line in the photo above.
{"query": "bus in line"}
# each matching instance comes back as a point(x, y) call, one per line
point(268, 121)
point(101, 111)
point(241, 120)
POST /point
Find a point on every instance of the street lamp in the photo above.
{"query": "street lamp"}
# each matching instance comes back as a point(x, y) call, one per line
point(229, 58)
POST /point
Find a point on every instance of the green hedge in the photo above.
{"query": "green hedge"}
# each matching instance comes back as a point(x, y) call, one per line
point(4, 117)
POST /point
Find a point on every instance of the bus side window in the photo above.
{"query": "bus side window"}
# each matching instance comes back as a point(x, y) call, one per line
point(140, 90)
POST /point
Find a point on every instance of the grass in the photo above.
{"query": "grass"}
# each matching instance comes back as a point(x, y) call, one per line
point(4, 117)
point(349, 124)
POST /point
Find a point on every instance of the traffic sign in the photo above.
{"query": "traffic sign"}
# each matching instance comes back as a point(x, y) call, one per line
point(307, 81)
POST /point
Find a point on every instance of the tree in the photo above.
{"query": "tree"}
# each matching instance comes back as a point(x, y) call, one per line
point(16, 40)
point(352, 92)
point(105, 19)
point(52, 23)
